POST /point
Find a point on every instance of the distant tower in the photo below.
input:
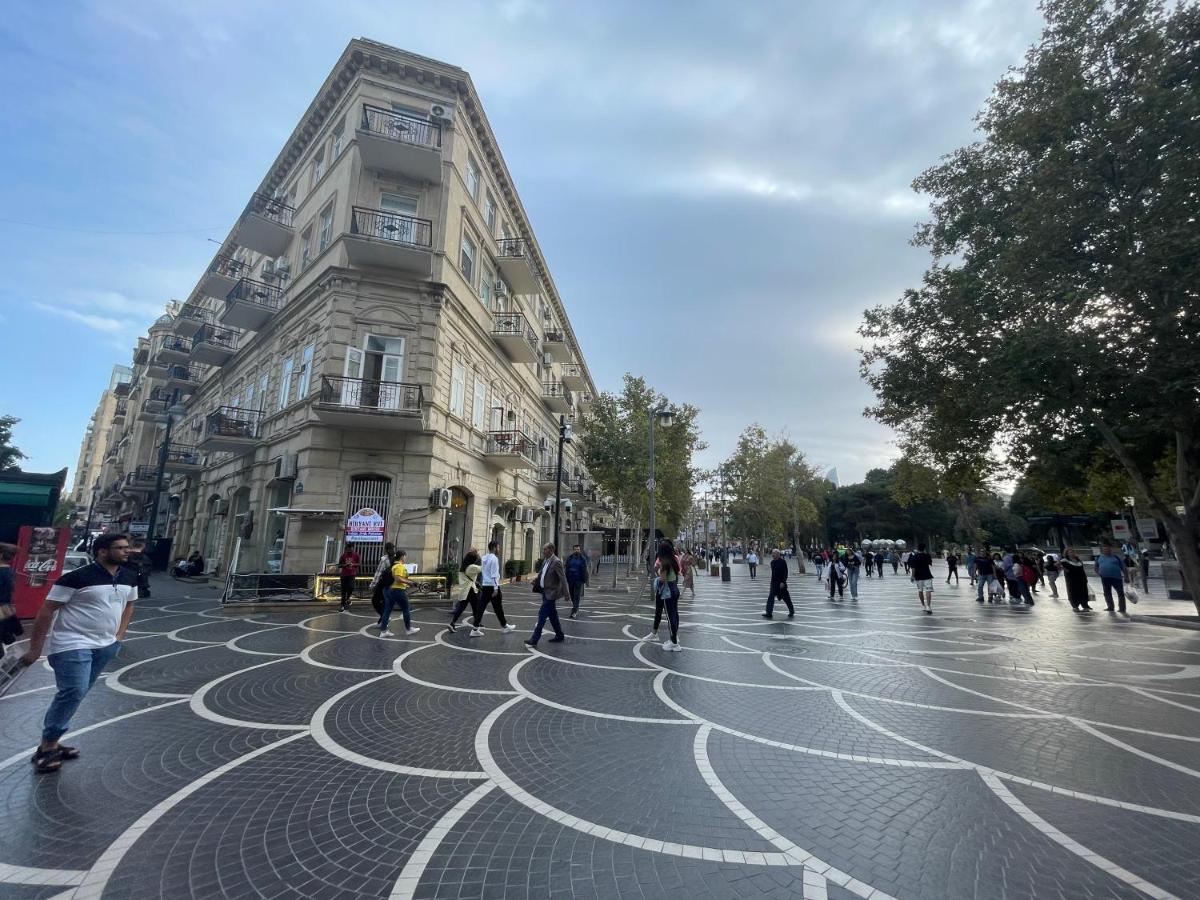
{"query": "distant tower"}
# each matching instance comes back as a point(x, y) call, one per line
point(831, 475)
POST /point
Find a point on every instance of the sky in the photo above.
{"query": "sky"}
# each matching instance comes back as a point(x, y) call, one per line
point(720, 188)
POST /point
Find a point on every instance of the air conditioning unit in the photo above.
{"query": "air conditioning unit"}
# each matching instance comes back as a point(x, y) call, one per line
point(442, 113)
point(286, 465)
point(283, 266)
point(268, 269)
point(439, 498)
point(500, 289)
point(527, 514)
point(547, 359)
point(543, 444)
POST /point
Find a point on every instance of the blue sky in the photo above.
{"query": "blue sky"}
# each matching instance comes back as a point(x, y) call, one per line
point(720, 188)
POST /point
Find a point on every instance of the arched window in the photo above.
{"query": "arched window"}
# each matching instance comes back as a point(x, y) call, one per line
point(457, 528)
point(373, 491)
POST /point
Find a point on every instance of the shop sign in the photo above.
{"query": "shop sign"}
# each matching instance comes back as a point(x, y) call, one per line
point(365, 527)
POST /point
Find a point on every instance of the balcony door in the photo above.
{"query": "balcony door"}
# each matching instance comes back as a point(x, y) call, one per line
point(373, 374)
point(397, 223)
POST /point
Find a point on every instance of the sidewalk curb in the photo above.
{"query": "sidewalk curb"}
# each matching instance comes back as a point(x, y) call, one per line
point(1167, 622)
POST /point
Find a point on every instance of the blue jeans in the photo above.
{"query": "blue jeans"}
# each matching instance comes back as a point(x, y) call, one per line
point(75, 671)
point(986, 582)
point(548, 611)
point(576, 594)
point(393, 597)
point(1113, 583)
point(852, 578)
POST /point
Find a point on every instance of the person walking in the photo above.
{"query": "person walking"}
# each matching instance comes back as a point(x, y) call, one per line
point(348, 564)
point(985, 576)
point(577, 577)
point(779, 588)
point(836, 579)
point(905, 558)
point(666, 595)
point(382, 579)
point(1029, 576)
point(818, 562)
point(920, 570)
point(141, 565)
point(971, 558)
point(1076, 581)
point(894, 559)
point(687, 568)
point(489, 581)
point(397, 595)
point(868, 562)
point(1111, 569)
point(752, 563)
point(10, 625)
point(853, 567)
point(952, 567)
point(468, 593)
point(1052, 572)
point(551, 583)
point(1144, 568)
point(879, 565)
point(80, 625)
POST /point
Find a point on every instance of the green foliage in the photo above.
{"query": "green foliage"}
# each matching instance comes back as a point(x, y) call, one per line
point(614, 445)
point(450, 570)
point(62, 513)
point(769, 487)
point(10, 456)
point(515, 567)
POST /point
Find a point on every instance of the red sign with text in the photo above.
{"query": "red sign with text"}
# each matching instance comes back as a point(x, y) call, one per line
point(39, 562)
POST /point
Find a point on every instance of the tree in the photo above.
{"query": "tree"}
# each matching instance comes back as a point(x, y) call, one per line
point(1060, 311)
point(9, 455)
point(769, 487)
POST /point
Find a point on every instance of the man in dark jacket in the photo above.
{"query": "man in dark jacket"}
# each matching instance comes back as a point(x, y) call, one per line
point(577, 577)
point(140, 564)
point(779, 574)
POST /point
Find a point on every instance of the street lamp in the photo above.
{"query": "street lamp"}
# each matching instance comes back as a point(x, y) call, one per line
point(174, 409)
point(564, 436)
point(666, 418)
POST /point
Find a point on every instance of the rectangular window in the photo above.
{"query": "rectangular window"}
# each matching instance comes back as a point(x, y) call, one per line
point(478, 403)
point(325, 228)
point(264, 382)
point(473, 178)
point(467, 260)
point(486, 281)
point(318, 167)
point(458, 379)
point(335, 146)
point(248, 402)
point(285, 383)
point(306, 246)
point(291, 196)
point(489, 213)
point(306, 361)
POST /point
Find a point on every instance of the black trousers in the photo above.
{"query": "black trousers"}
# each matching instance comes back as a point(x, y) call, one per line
point(753, 569)
point(476, 608)
point(671, 604)
point(493, 596)
point(347, 589)
point(779, 590)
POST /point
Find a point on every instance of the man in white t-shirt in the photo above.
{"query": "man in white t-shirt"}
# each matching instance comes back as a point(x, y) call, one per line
point(489, 580)
point(85, 616)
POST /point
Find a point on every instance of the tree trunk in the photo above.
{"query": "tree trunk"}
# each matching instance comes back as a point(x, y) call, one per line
point(1185, 540)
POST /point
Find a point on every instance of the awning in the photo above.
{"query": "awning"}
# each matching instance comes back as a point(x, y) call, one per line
point(300, 512)
point(17, 494)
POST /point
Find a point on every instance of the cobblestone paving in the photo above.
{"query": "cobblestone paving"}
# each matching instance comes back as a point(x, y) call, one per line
point(859, 749)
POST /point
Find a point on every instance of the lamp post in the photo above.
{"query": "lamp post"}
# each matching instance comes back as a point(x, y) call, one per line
point(725, 573)
point(173, 409)
point(87, 529)
point(564, 435)
point(666, 418)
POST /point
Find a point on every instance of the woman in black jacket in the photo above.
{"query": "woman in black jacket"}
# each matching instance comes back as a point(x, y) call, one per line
point(1075, 576)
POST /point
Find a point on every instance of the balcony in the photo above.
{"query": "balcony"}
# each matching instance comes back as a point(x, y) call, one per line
point(584, 401)
point(171, 349)
point(154, 406)
point(368, 403)
point(183, 378)
point(223, 275)
point(266, 225)
point(213, 345)
point(140, 480)
point(556, 396)
point(230, 430)
point(190, 317)
point(183, 460)
point(547, 477)
point(573, 377)
point(121, 410)
point(122, 388)
point(392, 142)
point(390, 240)
point(517, 265)
point(555, 343)
point(515, 337)
point(141, 354)
point(251, 304)
point(510, 450)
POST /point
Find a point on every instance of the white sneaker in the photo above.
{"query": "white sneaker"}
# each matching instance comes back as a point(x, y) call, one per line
point(509, 627)
point(476, 632)
point(652, 636)
point(386, 634)
point(471, 622)
point(412, 630)
point(672, 646)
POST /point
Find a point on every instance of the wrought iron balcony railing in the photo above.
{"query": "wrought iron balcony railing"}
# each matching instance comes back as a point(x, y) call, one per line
point(556, 389)
point(517, 442)
point(232, 422)
point(371, 394)
point(215, 334)
point(228, 266)
point(515, 248)
point(271, 208)
point(514, 323)
point(258, 293)
point(400, 127)
point(390, 226)
point(182, 455)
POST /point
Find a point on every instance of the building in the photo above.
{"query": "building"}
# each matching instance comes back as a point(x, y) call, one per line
point(378, 330)
point(110, 410)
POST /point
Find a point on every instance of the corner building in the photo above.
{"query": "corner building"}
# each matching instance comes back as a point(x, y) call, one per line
point(379, 329)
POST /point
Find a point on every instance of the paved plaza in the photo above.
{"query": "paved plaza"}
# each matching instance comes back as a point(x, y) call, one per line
point(861, 749)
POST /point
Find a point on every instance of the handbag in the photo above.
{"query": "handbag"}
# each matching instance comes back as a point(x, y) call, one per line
point(1131, 595)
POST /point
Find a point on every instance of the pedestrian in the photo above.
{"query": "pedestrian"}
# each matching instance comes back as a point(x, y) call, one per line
point(1029, 575)
point(551, 583)
point(468, 593)
point(1144, 567)
point(1129, 551)
point(971, 558)
point(397, 595)
point(687, 568)
point(894, 559)
point(905, 558)
point(779, 588)
point(1111, 570)
point(490, 593)
point(879, 565)
point(853, 566)
point(577, 577)
point(85, 615)
point(952, 567)
point(985, 576)
point(1076, 580)
point(1014, 580)
point(382, 579)
point(141, 565)
point(920, 570)
point(10, 625)
point(1052, 572)
point(818, 561)
point(836, 579)
point(666, 595)
point(868, 562)
point(348, 567)
point(752, 563)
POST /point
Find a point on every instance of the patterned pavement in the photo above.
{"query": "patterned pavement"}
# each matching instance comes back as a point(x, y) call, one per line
point(860, 749)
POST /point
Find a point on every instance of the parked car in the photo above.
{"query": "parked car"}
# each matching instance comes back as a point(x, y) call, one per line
point(75, 559)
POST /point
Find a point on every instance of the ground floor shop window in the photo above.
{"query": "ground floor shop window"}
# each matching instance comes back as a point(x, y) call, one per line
point(370, 492)
point(275, 528)
point(455, 531)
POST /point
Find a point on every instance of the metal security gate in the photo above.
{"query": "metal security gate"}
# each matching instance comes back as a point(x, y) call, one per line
point(374, 491)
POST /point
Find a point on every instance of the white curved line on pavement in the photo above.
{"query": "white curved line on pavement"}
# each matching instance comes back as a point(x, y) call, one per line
point(515, 680)
point(410, 876)
point(114, 678)
point(46, 877)
point(398, 669)
point(196, 702)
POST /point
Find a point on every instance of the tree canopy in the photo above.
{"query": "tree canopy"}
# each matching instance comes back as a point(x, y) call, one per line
point(769, 487)
point(1060, 312)
point(10, 456)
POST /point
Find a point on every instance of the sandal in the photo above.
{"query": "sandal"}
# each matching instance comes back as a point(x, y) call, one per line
point(65, 752)
point(46, 762)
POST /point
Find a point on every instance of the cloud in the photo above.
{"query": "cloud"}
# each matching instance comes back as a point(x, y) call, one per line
point(96, 323)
